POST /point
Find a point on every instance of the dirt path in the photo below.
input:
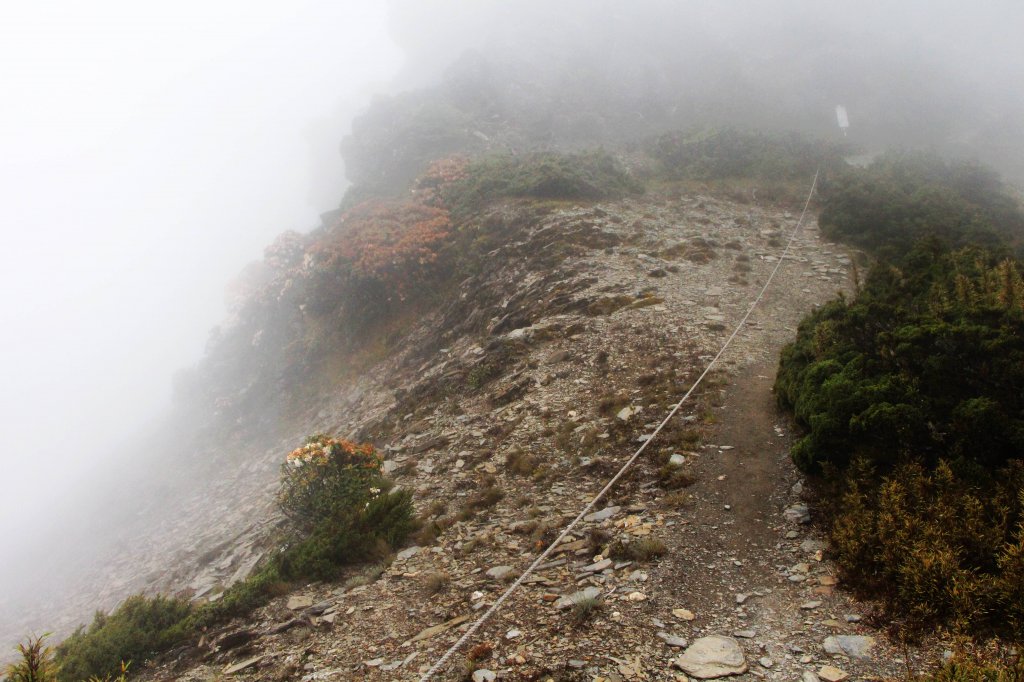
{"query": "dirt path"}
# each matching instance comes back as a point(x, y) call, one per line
point(748, 572)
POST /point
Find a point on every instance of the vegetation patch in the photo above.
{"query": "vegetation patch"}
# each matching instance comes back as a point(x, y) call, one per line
point(707, 154)
point(588, 176)
point(139, 629)
point(909, 398)
point(900, 199)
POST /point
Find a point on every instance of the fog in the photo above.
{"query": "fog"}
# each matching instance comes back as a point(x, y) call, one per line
point(148, 152)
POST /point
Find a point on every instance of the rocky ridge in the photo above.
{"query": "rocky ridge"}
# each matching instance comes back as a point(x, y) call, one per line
point(507, 411)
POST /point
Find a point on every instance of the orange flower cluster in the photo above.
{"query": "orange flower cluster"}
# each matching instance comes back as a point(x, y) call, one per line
point(320, 450)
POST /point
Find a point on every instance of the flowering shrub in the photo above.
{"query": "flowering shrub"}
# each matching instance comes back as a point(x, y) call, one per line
point(340, 506)
point(325, 475)
point(388, 243)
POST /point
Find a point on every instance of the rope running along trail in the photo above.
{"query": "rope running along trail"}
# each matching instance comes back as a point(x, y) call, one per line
point(625, 467)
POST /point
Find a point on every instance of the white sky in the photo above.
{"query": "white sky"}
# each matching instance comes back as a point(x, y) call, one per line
point(147, 152)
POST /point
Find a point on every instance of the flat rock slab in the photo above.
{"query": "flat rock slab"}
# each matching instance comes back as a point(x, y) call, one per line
point(605, 513)
point(672, 640)
point(407, 553)
point(854, 646)
point(832, 674)
point(597, 567)
point(239, 667)
point(427, 633)
point(499, 572)
point(712, 657)
point(299, 602)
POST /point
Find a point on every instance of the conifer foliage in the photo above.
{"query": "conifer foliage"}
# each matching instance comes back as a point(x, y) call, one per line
point(909, 396)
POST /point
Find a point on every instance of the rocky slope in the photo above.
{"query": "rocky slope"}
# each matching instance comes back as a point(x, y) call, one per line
point(511, 405)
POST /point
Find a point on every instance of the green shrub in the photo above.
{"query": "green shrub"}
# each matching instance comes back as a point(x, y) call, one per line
point(708, 154)
point(899, 200)
point(241, 598)
point(925, 362)
point(137, 630)
point(589, 176)
point(339, 504)
point(909, 397)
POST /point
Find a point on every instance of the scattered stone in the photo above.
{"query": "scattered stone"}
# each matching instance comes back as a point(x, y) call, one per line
point(855, 646)
point(766, 662)
point(239, 667)
point(671, 640)
point(407, 553)
point(235, 639)
point(427, 633)
point(625, 413)
point(745, 634)
point(602, 515)
point(499, 572)
point(597, 566)
point(676, 460)
point(299, 602)
point(798, 513)
point(683, 614)
point(712, 657)
point(809, 676)
point(810, 605)
point(319, 608)
point(832, 674)
point(811, 546)
point(484, 675)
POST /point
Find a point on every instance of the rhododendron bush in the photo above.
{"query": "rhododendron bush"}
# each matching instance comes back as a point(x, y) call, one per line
point(389, 243)
point(340, 506)
point(326, 474)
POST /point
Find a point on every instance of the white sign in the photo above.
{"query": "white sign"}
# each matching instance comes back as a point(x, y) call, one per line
point(842, 118)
